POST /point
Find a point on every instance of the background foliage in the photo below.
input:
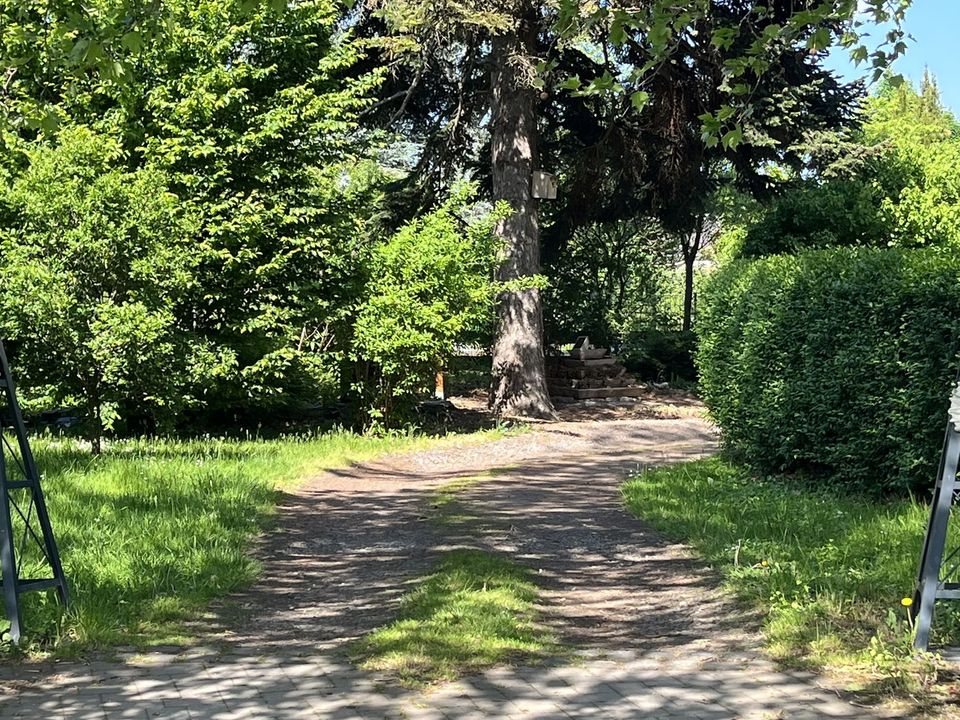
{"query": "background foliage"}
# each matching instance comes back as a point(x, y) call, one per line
point(895, 180)
point(295, 265)
point(431, 285)
point(611, 278)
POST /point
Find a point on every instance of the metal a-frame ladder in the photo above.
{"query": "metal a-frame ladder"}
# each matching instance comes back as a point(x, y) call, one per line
point(25, 531)
point(938, 577)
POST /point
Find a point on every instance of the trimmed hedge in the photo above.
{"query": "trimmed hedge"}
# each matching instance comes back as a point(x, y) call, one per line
point(834, 363)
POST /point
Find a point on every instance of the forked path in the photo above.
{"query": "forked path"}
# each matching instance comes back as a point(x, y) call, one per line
point(654, 637)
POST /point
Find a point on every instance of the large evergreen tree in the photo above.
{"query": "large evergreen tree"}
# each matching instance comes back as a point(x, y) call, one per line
point(594, 68)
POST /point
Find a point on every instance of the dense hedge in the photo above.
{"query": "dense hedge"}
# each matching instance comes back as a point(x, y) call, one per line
point(834, 363)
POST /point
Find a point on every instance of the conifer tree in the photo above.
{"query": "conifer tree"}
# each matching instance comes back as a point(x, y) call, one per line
point(531, 53)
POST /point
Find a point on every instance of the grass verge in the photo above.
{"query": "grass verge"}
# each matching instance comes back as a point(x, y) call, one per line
point(152, 531)
point(476, 610)
point(827, 570)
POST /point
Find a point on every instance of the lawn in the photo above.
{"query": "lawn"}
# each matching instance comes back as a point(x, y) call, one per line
point(153, 530)
point(829, 571)
point(474, 611)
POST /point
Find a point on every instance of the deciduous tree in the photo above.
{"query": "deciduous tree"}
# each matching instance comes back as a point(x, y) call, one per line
point(97, 267)
point(249, 110)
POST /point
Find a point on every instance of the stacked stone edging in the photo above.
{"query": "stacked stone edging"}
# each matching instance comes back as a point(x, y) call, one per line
point(589, 373)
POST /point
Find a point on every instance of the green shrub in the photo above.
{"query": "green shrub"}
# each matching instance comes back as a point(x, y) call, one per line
point(814, 215)
point(835, 363)
point(431, 286)
point(97, 268)
point(661, 354)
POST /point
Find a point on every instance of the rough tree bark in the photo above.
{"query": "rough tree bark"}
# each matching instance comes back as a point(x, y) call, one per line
point(94, 417)
point(519, 385)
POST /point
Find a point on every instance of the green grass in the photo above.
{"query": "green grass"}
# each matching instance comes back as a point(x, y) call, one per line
point(446, 509)
point(828, 570)
point(476, 610)
point(153, 530)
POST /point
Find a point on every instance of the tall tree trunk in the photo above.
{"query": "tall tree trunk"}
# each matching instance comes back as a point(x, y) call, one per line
point(519, 385)
point(688, 293)
point(690, 247)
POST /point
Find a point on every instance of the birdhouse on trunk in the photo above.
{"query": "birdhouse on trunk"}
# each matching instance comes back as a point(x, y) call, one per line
point(544, 185)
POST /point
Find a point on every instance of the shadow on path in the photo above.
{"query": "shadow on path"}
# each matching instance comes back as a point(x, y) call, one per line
point(352, 543)
point(655, 637)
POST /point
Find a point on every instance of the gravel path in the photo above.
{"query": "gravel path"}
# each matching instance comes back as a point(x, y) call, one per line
point(654, 637)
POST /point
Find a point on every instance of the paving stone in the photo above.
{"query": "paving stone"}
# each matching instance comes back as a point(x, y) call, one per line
point(531, 693)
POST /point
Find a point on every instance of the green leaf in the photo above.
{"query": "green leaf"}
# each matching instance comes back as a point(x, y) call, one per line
point(724, 37)
point(711, 125)
point(820, 40)
point(132, 41)
point(618, 33)
point(732, 138)
point(50, 122)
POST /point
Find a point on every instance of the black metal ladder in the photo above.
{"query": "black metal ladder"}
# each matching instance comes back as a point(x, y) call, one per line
point(23, 513)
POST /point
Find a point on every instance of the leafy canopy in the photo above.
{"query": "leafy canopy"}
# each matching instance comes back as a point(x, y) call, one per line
point(895, 181)
point(97, 266)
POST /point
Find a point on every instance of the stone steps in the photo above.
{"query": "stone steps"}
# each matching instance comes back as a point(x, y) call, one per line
point(590, 373)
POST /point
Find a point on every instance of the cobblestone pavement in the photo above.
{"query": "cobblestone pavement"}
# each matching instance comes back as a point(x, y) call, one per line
point(679, 683)
point(653, 636)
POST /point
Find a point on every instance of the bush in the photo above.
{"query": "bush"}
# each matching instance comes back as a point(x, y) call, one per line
point(835, 363)
point(842, 212)
point(97, 268)
point(661, 354)
point(431, 286)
